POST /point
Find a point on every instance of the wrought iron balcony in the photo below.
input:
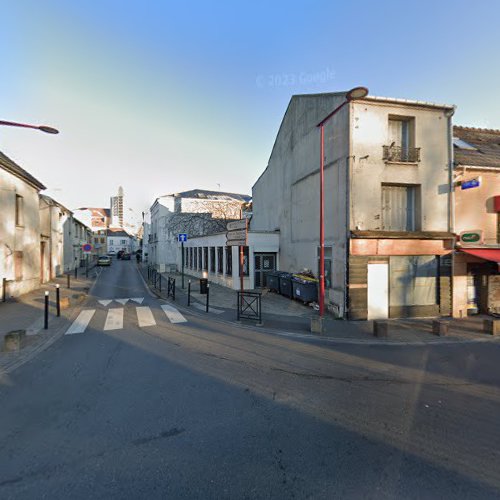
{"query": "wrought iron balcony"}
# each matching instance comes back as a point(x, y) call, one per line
point(401, 155)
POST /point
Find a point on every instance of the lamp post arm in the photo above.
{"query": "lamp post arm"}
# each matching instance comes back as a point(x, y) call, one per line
point(43, 128)
point(338, 108)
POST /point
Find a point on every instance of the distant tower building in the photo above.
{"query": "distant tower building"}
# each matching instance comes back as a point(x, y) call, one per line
point(117, 209)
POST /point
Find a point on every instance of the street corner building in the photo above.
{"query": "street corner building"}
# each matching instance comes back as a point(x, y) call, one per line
point(476, 183)
point(388, 204)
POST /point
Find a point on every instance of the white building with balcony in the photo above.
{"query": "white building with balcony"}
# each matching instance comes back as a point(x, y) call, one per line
point(388, 224)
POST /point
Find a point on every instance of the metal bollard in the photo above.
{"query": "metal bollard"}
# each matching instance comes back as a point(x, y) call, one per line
point(189, 292)
point(46, 312)
point(76, 272)
point(58, 301)
point(208, 295)
point(160, 282)
point(173, 289)
point(68, 280)
point(4, 289)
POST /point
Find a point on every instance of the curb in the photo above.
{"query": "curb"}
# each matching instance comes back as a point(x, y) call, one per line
point(331, 340)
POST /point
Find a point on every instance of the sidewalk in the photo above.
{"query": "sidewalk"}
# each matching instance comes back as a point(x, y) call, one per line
point(284, 315)
point(27, 313)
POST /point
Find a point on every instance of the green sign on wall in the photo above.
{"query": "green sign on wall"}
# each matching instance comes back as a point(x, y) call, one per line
point(471, 237)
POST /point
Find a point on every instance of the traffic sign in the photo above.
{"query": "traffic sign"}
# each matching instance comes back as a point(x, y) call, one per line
point(236, 243)
point(87, 247)
point(471, 183)
point(182, 237)
point(237, 235)
point(237, 232)
point(236, 225)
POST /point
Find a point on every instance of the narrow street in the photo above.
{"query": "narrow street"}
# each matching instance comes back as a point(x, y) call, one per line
point(147, 401)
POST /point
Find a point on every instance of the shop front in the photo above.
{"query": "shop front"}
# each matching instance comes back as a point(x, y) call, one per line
point(476, 281)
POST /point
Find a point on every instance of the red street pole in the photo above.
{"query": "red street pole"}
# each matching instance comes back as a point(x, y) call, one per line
point(241, 268)
point(322, 223)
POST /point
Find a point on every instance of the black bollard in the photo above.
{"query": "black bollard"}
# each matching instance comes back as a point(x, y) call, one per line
point(189, 292)
point(160, 282)
point(4, 289)
point(173, 289)
point(76, 272)
point(46, 312)
point(208, 295)
point(58, 301)
point(68, 280)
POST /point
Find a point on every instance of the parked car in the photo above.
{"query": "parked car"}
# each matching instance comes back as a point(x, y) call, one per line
point(120, 254)
point(125, 256)
point(104, 260)
point(111, 253)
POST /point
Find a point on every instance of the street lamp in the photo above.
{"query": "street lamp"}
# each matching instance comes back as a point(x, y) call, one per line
point(355, 93)
point(43, 128)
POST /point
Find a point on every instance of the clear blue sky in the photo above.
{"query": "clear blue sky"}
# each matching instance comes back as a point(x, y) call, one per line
point(161, 96)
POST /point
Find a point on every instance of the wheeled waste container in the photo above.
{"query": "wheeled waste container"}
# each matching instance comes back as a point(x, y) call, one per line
point(305, 289)
point(273, 281)
point(286, 284)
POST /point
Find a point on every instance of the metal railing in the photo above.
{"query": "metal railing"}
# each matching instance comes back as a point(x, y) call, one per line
point(249, 306)
point(400, 154)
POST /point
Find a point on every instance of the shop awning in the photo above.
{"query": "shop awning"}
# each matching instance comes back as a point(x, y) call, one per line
point(492, 254)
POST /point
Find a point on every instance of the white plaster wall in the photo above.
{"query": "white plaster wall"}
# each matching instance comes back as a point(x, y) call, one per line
point(25, 239)
point(257, 242)
point(370, 132)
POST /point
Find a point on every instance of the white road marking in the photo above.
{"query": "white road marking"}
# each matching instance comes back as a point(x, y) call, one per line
point(203, 308)
point(121, 301)
point(173, 314)
point(138, 300)
point(114, 319)
point(145, 316)
point(104, 302)
point(81, 322)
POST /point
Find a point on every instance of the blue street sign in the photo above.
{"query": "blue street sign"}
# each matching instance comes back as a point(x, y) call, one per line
point(473, 183)
point(182, 237)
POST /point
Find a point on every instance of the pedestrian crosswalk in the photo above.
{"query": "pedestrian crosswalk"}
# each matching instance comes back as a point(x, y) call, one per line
point(81, 322)
point(145, 316)
point(115, 318)
point(106, 302)
point(173, 314)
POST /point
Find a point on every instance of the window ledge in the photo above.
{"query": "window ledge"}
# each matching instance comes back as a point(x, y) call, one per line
point(392, 162)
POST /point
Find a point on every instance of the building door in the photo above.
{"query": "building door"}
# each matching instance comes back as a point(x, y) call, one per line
point(378, 291)
point(477, 287)
point(264, 262)
point(43, 276)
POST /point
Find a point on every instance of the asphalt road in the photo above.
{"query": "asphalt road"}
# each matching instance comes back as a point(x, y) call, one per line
point(201, 409)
